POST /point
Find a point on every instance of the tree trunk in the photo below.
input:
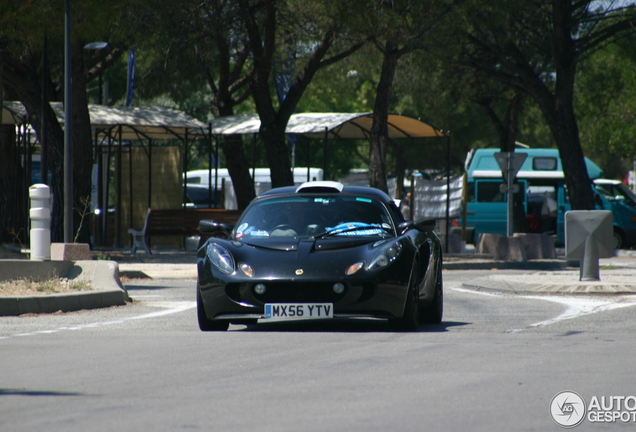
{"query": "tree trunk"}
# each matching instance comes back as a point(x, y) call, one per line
point(558, 111)
point(379, 130)
point(238, 168)
point(273, 135)
point(82, 148)
point(25, 84)
point(13, 209)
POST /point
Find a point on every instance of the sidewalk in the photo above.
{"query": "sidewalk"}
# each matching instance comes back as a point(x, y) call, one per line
point(617, 276)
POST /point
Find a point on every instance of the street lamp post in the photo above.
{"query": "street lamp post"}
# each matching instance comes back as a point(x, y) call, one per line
point(95, 46)
point(68, 129)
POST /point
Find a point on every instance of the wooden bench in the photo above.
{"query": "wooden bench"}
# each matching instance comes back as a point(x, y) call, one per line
point(176, 222)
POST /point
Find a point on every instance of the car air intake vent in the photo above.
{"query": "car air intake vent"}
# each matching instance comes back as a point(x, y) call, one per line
point(320, 187)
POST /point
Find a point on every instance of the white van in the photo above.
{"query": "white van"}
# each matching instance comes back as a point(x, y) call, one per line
point(260, 175)
point(262, 180)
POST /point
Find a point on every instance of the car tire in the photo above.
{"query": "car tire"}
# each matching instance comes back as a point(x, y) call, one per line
point(206, 324)
point(411, 316)
point(619, 239)
point(432, 313)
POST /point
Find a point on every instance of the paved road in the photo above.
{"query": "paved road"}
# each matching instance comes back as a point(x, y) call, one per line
point(494, 364)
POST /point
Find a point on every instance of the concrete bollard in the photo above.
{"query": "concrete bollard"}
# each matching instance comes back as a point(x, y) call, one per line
point(40, 214)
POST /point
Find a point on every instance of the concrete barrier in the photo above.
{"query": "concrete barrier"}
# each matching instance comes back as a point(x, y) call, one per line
point(538, 246)
point(520, 247)
point(103, 277)
point(502, 248)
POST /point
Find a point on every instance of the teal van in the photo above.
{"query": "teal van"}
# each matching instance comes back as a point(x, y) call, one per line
point(544, 193)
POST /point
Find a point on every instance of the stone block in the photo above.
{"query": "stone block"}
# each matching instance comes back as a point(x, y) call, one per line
point(538, 246)
point(70, 252)
point(501, 248)
point(454, 243)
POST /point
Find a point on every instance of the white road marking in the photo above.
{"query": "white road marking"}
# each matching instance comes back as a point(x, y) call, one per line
point(576, 306)
point(177, 307)
point(485, 293)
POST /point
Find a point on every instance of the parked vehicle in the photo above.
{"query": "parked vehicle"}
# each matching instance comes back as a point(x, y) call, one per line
point(200, 196)
point(321, 250)
point(544, 195)
point(260, 175)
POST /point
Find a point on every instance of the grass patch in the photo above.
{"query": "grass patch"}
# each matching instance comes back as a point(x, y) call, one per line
point(47, 286)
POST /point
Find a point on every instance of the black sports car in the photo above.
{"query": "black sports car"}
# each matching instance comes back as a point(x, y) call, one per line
point(320, 250)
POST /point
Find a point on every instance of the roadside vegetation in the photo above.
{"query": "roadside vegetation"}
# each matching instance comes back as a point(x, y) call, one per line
point(19, 287)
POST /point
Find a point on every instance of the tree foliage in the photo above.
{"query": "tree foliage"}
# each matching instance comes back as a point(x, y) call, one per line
point(535, 47)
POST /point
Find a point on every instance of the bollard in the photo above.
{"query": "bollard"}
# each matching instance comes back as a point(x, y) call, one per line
point(588, 236)
point(40, 215)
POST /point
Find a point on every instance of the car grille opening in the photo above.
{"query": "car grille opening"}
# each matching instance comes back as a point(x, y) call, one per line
point(287, 292)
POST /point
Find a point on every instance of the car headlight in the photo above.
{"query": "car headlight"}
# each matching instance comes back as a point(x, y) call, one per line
point(385, 256)
point(220, 258)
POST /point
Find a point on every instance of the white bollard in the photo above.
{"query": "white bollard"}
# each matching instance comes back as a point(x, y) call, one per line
point(40, 215)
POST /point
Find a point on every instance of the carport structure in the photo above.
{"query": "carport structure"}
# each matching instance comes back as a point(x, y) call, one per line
point(330, 127)
point(116, 131)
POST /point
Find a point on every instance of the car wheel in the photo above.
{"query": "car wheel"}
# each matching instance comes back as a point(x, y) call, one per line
point(411, 317)
point(619, 239)
point(432, 314)
point(206, 324)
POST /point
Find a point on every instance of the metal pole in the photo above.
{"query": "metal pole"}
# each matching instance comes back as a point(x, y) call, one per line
point(44, 160)
point(448, 173)
point(510, 196)
point(68, 129)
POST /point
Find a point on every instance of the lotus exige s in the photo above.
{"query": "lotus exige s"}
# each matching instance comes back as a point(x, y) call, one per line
point(320, 251)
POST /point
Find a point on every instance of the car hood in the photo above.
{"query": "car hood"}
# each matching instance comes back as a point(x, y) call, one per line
point(287, 258)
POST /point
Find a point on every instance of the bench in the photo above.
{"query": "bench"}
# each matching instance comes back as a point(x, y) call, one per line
point(176, 222)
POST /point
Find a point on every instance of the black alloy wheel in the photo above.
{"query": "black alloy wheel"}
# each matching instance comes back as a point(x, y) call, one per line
point(206, 324)
point(432, 314)
point(411, 317)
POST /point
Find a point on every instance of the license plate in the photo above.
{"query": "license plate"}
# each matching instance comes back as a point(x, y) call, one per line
point(298, 310)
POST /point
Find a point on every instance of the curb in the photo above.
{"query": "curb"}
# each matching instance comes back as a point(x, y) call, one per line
point(102, 275)
point(510, 265)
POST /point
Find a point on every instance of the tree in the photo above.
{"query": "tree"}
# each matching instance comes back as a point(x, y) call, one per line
point(397, 29)
point(209, 36)
point(315, 31)
point(605, 99)
point(535, 46)
point(21, 56)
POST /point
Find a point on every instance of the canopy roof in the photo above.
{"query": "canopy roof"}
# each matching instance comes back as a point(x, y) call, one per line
point(128, 123)
point(335, 125)
point(133, 123)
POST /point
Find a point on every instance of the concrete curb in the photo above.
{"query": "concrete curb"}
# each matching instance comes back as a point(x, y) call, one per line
point(102, 275)
point(510, 265)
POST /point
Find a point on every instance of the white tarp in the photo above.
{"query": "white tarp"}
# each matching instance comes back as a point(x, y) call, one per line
point(128, 123)
point(430, 198)
point(335, 125)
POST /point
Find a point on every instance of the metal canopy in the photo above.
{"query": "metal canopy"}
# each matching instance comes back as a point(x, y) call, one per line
point(127, 123)
point(335, 125)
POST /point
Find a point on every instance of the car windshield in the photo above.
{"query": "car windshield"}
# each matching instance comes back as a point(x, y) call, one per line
point(315, 216)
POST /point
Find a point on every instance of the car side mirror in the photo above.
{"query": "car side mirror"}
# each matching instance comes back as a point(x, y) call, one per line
point(425, 225)
point(405, 226)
